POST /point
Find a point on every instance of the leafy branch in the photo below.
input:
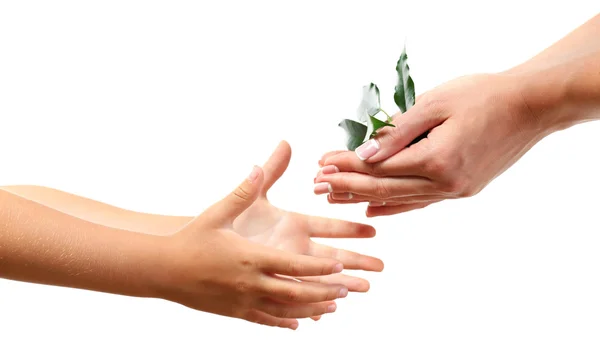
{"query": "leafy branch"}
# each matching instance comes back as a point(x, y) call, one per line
point(357, 132)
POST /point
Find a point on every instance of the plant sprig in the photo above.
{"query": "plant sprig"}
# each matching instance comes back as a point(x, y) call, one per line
point(357, 132)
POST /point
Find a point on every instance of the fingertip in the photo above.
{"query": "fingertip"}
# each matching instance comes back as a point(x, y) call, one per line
point(380, 266)
point(368, 231)
point(362, 286)
point(293, 326)
point(372, 212)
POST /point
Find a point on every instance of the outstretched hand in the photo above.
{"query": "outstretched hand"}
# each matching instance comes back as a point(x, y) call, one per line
point(209, 267)
point(268, 225)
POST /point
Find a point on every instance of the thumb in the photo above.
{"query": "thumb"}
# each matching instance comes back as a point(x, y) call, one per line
point(229, 208)
point(391, 140)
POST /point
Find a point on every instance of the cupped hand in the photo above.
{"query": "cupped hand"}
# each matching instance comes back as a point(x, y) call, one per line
point(293, 232)
point(208, 266)
point(477, 127)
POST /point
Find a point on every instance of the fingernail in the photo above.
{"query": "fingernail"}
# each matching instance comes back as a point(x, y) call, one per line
point(338, 268)
point(343, 293)
point(329, 169)
point(376, 203)
point(323, 188)
point(367, 149)
point(294, 326)
point(254, 174)
point(331, 308)
point(342, 196)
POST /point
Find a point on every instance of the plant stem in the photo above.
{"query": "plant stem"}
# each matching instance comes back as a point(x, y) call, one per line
point(389, 119)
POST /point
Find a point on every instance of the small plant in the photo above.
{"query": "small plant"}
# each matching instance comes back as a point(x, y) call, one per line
point(368, 124)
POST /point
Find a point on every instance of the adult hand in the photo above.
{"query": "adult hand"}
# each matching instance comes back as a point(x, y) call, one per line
point(478, 126)
point(209, 267)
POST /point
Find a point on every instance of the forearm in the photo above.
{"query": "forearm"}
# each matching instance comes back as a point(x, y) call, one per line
point(100, 213)
point(42, 245)
point(581, 41)
point(561, 86)
point(564, 94)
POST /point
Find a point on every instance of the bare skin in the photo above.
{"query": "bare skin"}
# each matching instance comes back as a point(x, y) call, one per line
point(205, 262)
point(478, 127)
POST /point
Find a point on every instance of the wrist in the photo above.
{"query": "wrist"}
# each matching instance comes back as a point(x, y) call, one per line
point(142, 258)
point(558, 96)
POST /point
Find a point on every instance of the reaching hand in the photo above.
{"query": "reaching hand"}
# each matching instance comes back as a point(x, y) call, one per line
point(268, 225)
point(478, 126)
point(209, 267)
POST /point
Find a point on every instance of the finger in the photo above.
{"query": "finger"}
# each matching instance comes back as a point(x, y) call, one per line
point(316, 318)
point(276, 165)
point(294, 291)
point(390, 140)
point(354, 284)
point(349, 198)
point(289, 264)
point(329, 154)
point(380, 187)
point(391, 210)
point(335, 228)
point(259, 317)
point(292, 310)
point(409, 162)
point(326, 170)
point(351, 260)
point(229, 208)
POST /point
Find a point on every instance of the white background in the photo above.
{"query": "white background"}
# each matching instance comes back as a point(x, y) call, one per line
point(165, 106)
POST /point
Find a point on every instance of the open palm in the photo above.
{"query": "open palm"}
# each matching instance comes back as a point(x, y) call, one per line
point(266, 224)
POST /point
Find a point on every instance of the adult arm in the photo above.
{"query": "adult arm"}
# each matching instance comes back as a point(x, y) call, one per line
point(478, 126)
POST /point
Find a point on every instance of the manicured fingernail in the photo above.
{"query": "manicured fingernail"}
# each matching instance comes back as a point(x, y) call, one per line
point(294, 326)
point(254, 174)
point(343, 293)
point(376, 203)
point(323, 188)
point(342, 196)
point(331, 308)
point(367, 149)
point(329, 169)
point(338, 268)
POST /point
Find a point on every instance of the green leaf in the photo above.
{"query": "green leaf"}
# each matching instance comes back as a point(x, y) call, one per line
point(405, 87)
point(376, 124)
point(355, 132)
point(370, 105)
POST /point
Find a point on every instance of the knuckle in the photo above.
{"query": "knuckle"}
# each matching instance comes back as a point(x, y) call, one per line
point(382, 190)
point(390, 135)
point(292, 295)
point(437, 165)
point(340, 183)
point(242, 193)
point(294, 267)
point(283, 312)
point(332, 294)
point(456, 186)
point(377, 169)
point(247, 263)
point(243, 286)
